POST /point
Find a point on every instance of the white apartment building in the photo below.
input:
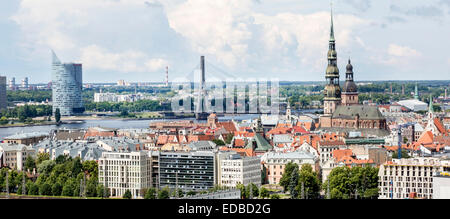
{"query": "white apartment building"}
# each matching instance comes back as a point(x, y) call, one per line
point(112, 97)
point(240, 170)
point(398, 178)
point(121, 171)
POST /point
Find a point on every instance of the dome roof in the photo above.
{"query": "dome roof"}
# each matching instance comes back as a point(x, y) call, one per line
point(349, 66)
point(350, 87)
point(332, 70)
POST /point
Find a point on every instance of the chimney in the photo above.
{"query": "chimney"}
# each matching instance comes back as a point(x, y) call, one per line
point(202, 67)
point(167, 76)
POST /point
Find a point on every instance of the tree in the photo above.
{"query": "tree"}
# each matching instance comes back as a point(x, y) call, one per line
point(45, 167)
point(57, 189)
point(263, 175)
point(310, 181)
point(191, 193)
point(68, 188)
point(45, 189)
point(91, 167)
point(101, 191)
point(243, 191)
point(253, 190)
point(274, 196)
point(127, 194)
point(218, 142)
point(164, 193)
point(357, 182)
point(91, 187)
point(33, 189)
point(41, 157)
point(286, 177)
point(228, 138)
point(293, 184)
point(61, 159)
point(263, 193)
point(76, 167)
point(30, 163)
point(57, 115)
point(150, 194)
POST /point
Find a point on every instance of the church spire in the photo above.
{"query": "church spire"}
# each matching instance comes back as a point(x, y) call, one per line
point(430, 107)
point(416, 92)
point(332, 26)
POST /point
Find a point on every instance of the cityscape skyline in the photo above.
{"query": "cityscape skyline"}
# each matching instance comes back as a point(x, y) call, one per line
point(258, 38)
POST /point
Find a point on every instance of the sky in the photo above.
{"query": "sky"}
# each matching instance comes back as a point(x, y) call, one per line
point(134, 40)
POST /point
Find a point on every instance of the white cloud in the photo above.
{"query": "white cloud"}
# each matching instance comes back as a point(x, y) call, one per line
point(397, 55)
point(235, 34)
point(104, 34)
point(402, 51)
point(129, 61)
point(219, 28)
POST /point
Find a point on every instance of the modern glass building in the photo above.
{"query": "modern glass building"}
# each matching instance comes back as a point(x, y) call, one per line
point(67, 83)
point(187, 170)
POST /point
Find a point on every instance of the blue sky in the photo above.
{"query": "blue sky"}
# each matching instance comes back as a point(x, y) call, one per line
point(135, 39)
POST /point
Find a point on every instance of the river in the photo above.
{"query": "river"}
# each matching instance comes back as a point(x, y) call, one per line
point(109, 123)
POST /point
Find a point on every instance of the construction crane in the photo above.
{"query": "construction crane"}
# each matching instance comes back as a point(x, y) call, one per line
point(399, 133)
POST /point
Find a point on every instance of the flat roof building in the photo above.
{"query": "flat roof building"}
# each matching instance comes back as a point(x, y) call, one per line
point(187, 170)
point(399, 178)
point(122, 171)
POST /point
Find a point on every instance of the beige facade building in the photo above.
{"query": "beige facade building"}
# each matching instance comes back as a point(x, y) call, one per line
point(15, 155)
point(399, 178)
point(275, 163)
point(122, 171)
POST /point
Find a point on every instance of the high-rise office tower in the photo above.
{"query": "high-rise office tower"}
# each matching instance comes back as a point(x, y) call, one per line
point(2, 92)
point(12, 83)
point(67, 83)
point(25, 83)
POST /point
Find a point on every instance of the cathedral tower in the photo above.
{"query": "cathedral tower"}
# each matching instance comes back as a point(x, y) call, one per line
point(350, 90)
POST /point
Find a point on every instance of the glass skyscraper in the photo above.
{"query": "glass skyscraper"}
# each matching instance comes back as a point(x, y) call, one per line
point(67, 83)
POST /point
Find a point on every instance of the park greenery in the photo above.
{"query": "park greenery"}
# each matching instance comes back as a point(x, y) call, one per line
point(62, 177)
point(352, 183)
point(301, 183)
point(24, 114)
point(125, 107)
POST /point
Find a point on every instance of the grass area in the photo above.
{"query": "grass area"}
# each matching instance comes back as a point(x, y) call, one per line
point(148, 115)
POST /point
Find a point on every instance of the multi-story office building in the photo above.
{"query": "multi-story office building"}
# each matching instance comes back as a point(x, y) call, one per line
point(67, 84)
point(15, 155)
point(399, 178)
point(122, 171)
point(3, 102)
point(12, 83)
point(187, 170)
point(240, 170)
